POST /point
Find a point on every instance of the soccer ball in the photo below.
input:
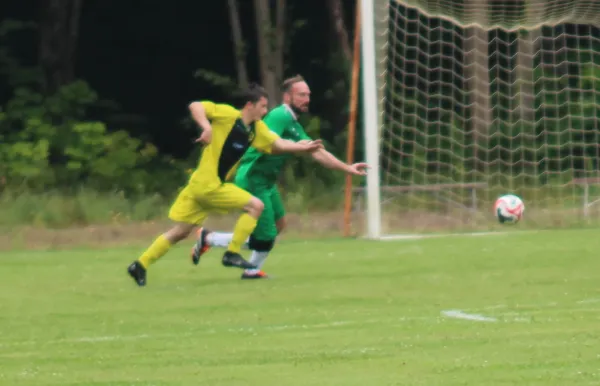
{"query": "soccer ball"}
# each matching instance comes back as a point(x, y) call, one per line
point(509, 209)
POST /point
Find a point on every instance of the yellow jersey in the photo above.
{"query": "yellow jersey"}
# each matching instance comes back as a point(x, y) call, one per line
point(230, 140)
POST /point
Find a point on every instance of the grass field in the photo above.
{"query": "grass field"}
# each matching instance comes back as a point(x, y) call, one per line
point(511, 309)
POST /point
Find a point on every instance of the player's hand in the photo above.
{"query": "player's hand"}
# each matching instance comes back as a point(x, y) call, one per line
point(358, 169)
point(205, 137)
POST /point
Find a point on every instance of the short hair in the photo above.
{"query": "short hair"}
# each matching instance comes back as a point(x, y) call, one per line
point(251, 94)
point(287, 84)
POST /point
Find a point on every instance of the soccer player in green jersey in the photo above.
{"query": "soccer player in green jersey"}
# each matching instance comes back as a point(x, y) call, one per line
point(257, 173)
point(227, 134)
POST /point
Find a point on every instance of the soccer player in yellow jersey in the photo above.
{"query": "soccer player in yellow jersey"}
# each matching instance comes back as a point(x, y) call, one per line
point(227, 133)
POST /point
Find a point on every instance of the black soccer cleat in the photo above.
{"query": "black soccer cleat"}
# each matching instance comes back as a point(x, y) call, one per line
point(231, 259)
point(137, 272)
point(201, 246)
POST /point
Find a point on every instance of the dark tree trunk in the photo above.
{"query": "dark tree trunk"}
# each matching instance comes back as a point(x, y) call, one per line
point(280, 35)
point(59, 32)
point(337, 19)
point(238, 43)
point(271, 38)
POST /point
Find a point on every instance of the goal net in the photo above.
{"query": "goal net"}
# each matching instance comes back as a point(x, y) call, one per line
point(466, 100)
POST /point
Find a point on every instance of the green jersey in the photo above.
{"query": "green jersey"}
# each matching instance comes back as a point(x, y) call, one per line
point(267, 167)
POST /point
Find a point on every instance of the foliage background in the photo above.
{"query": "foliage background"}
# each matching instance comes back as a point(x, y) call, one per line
point(94, 95)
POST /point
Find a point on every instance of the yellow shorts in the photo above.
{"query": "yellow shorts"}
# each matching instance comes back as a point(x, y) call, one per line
point(193, 205)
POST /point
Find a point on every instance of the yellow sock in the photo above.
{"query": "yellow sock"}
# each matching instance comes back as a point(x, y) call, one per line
point(243, 229)
point(159, 247)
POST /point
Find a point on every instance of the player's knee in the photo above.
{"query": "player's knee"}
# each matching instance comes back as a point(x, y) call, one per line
point(255, 207)
point(260, 245)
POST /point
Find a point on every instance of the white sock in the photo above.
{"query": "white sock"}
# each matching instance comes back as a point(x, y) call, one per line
point(222, 240)
point(257, 259)
point(218, 239)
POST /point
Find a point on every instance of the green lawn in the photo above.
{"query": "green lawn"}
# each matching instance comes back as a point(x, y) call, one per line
point(335, 313)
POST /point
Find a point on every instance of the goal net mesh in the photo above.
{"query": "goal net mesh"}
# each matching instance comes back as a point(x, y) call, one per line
point(479, 98)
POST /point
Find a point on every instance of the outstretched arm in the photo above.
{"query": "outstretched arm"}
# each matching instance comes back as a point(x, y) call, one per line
point(328, 160)
point(284, 146)
point(268, 141)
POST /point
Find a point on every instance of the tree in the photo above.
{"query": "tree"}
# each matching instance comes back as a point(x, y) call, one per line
point(239, 49)
point(271, 37)
point(59, 32)
point(271, 50)
point(336, 13)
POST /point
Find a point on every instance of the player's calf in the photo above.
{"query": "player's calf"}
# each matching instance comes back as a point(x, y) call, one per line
point(178, 232)
point(260, 251)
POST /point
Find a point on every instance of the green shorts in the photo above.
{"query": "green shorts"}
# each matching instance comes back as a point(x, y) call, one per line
point(266, 228)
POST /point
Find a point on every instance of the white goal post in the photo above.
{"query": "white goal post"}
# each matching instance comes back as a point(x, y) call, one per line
point(371, 80)
point(465, 100)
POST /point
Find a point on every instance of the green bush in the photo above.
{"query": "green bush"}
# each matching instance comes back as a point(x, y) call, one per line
point(47, 142)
